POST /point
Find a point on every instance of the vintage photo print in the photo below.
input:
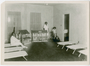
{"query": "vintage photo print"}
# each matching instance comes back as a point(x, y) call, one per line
point(45, 32)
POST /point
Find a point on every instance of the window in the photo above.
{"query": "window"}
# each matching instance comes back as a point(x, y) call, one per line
point(13, 20)
point(35, 21)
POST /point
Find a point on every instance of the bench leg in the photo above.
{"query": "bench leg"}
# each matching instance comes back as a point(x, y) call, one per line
point(63, 47)
point(73, 52)
point(79, 55)
point(24, 58)
point(67, 49)
point(57, 45)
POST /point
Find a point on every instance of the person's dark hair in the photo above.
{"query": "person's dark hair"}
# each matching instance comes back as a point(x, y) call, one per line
point(45, 22)
point(54, 27)
point(12, 33)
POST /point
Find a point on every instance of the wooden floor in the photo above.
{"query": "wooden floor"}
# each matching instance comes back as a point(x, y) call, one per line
point(48, 51)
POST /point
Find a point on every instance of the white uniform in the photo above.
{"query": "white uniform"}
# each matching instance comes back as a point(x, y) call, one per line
point(46, 27)
point(15, 41)
point(54, 31)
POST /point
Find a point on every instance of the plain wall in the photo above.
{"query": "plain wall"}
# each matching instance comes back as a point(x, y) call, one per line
point(26, 9)
point(78, 21)
point(54, 15)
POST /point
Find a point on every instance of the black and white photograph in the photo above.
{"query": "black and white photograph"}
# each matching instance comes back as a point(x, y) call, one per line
point(45, 31)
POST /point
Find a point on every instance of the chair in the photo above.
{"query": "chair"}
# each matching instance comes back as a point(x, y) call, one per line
point(14, 51)
point(75, 47)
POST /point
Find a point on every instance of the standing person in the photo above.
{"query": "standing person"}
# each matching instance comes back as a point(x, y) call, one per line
point(46, 28)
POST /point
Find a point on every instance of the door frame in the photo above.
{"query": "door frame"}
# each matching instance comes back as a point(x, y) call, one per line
point(63, 26)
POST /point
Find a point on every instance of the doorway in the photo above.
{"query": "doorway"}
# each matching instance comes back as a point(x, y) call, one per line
point(66, 27)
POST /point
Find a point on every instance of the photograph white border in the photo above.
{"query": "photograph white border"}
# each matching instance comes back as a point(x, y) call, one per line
point(37, 62)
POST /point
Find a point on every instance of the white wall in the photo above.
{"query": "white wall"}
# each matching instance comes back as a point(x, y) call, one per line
point(25, 9)
point(54, 15)
point(46, 14)
point(78, 21)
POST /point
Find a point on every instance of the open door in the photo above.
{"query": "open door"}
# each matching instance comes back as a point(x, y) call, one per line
point(66, 27)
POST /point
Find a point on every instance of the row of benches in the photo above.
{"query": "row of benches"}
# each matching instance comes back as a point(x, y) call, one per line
point(74, 46)
point(14, 52)
point(17, 51)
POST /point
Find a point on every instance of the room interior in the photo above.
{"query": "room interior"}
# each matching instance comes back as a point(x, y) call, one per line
point(69, 19)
